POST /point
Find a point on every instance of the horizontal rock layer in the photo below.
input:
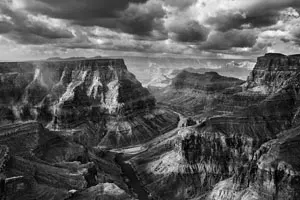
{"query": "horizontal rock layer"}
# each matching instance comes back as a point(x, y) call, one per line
point(236, 154)
point(271, 72)
point(65, 94)
point(56, 117)
point(51, 165)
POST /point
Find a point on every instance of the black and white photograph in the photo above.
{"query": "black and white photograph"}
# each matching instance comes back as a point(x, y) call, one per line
point(149, 99)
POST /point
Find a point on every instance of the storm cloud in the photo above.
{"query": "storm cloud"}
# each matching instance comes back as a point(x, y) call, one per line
point(256, 15)
point(225, 21)
point(28, 29)
point(162, 26)
point(142, 19)
point(79, 11)
point(190, 31)
point(230, 39)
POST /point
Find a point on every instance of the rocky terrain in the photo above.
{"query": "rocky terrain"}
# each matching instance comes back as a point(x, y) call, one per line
point(249, 152)
point(59, 117)
point(87, 129)
point(69, 94)
point(193, 93)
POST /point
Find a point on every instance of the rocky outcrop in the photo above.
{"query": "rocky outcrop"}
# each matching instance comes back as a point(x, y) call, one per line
point(242, 145)
point(271, 72)
point(56, 119)
point(105, 191)
point(51, 164)
point(239, 154)
point(209, 81)
point(64, 94)
point(273, 172)
point(200, 94)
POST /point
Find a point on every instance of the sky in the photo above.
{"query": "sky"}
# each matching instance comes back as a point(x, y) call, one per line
point(37, 29)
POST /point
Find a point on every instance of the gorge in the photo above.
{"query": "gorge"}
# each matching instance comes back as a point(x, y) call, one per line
point(88, 129)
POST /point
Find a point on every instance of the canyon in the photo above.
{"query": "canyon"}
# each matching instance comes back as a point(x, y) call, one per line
point(88, 129)
point(60, 118)
point(244, 145)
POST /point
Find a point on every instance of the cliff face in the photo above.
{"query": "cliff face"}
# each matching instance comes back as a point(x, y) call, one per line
point(239, 153)
point(272, 174)
point(56, 117)
point(104, 84)
point(40, 164)
point(271, 72)
point(202, 93)
point(242, 145)
point(66, 94)
point(209, 81)
point(199, 94)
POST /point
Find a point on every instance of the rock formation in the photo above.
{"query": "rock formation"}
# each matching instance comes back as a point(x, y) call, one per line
point(235, 140)
point(58, 117)
point(67, 93)
point(248, 153)
point(197, 92)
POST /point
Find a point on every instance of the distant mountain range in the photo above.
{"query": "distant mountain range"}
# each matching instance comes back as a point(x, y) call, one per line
point(72, 58)
point(151, 71)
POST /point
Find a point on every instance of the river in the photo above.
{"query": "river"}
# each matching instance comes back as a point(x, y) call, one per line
point(133, 181)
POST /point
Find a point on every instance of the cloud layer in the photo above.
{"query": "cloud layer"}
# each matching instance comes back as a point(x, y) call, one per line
point(190, 27)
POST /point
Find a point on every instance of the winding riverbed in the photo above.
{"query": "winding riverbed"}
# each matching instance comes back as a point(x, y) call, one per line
point(133, 181)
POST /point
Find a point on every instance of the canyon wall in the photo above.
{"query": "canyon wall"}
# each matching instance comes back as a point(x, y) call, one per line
point(66, 94)
point(247, 153)
point(57, 120)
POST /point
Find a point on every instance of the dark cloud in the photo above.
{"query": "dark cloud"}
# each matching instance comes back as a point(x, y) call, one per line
point(261, 14)
point(79, 10)
point(138, 17)
point(285, 40)
point(181, 4)
point(225, 21)
point(5, 27)
point(26, 30)
point(42, 30)
point(27, 38)
point(229, 39)
point(190, 31)
point(142, 19)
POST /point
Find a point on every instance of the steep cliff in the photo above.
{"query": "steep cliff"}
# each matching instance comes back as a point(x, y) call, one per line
point(102, 83)
point(237, 155)
point(273, 173)
point(67, 94)
point(56, 119)
point(271, 72)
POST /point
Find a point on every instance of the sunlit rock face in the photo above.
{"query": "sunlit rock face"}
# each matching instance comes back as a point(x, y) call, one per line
point(103, 83)
point(247, 154)
point(56, 119)
point(66, 94)
point(197, 94)
point(271, 72)
point(105, 191)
